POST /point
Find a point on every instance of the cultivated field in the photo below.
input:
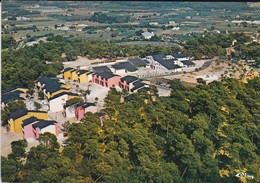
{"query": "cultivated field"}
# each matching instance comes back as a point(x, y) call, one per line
point(190, 17)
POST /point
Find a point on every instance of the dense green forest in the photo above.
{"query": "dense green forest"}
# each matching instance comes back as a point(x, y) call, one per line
point(23, 66)
point(203, 134)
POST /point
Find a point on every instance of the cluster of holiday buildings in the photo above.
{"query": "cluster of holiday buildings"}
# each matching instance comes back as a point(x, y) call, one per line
point(32, 123)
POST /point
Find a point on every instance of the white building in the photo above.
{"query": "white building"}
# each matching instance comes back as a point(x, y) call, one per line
point(63, 28)
point(176, 28)
point(70, 111)
point(148, 35)
point(153, 23)
point(172, 23)
point(43, 126)
point(82, 25)
point(180, 57)
point(22, 18)
point(166, 64)
point(123, 68)
point(57, 102)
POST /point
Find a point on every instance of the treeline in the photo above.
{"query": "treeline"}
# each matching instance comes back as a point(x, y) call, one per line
point(203, 134)
point(250, 51)
point(211, 45)
point(21, 68)
point(8, 42)
point(13, 13)
point(104, 18)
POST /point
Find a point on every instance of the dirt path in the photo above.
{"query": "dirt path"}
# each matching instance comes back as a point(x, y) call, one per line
point(81, 61)
point(213, 71)
point(6, 139)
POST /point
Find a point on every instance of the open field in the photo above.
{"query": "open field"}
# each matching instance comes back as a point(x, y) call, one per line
point(189, 16)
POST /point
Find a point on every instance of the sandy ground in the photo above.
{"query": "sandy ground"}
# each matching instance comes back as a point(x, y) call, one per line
point(81, 61)
point(95, 91)
point(213, 70)
point(163, 91)
point(6, 139)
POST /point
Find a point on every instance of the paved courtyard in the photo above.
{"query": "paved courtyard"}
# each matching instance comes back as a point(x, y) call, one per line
point(96, 91)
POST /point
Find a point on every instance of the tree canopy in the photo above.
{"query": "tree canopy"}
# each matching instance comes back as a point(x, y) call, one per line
point(203, 134)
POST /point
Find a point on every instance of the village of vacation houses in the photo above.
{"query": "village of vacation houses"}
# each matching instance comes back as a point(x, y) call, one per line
point(123, 74)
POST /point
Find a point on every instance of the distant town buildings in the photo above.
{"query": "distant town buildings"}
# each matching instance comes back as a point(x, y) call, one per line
point(63, 28)
point(153, 23)
point(172, 23)
point(34, 6)
point(22, 18)
point(176, 28)
point(249, 22)
point(148, 35)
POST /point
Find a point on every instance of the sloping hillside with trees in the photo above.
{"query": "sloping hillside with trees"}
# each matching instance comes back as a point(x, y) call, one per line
point(203, 134)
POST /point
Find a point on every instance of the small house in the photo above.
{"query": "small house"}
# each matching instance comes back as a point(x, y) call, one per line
point(52, 86)
point(180, 56)
point(188, 64)
point(148, 35)
point(127, 82)
point(82, 109)
point(100, 69)
point(74, 75)
point(84, 76)
point(27, 127)
point(137, 85)
point(57, 102)
point(123, 68)
point(138, 63)
point(10, 96)
point(16, 118)
point(106, 79)
point(69, 111)
point(67, 73)
point(43, 126)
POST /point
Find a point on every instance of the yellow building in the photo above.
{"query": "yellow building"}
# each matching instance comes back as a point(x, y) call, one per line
point(73, 95)
point(67, 73)
point(65, 86)
point(74, 76)
point(16, 118)
point(14, 95)
point(82, 76)
point(53, 93)
point(24, 90)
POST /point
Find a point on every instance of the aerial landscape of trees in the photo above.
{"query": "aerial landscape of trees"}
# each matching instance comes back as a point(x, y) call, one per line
point(206, 133)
